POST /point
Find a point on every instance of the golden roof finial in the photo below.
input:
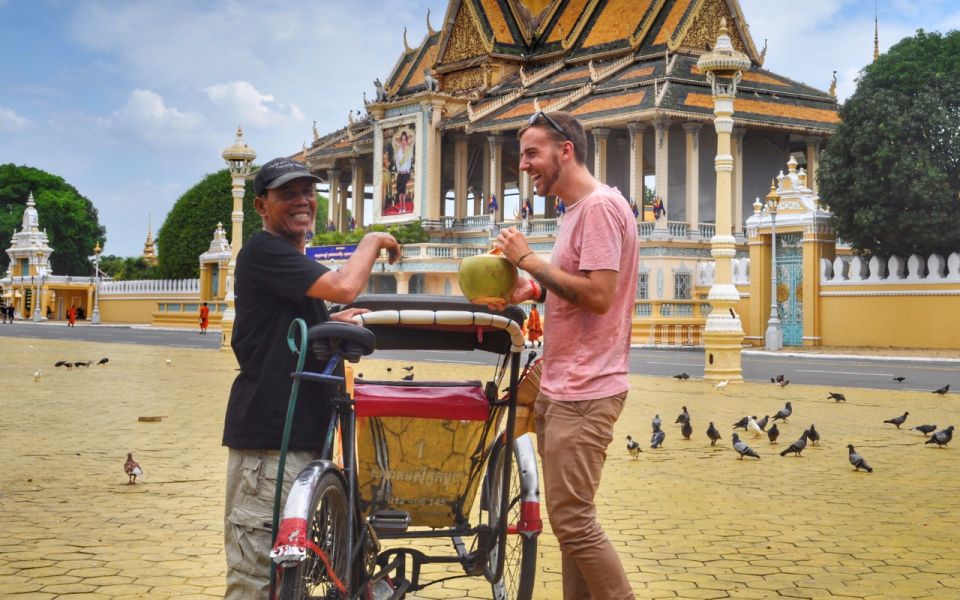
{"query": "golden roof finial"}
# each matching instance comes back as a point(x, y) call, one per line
point(833, 85)
point(406, 45)
point(723, 26)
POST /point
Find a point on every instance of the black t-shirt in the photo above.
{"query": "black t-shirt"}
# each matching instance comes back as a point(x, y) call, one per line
point(272, 278)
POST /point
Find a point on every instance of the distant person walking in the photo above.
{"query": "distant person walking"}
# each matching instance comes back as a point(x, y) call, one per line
point(534, 326)
point(204, 318)
point(72, 316)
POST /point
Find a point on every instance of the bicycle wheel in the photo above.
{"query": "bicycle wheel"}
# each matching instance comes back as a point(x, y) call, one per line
point(520, 562)
point(322, 574)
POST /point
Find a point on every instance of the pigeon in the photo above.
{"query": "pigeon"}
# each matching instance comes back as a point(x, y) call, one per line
point(942, 437)
point(796, 447)
point(407, 377)
point(656, 440)
point(784, 383)
point(753, 427)
point(656, 422)
point(103, 361)
point(857, 461)
point(773, 434)
point(899, 379)
point(778, 379)
point(68, 365)
point(686, 430)
point(60, 363)
point(37, 374)
point(742, 448)
point(721, 385)
point(713, 434)
point(682, 376)
point(389, 369)
point(169, 362)
point(742, 423)
point(813, 435)
point(942, 391)
point(837, 396)
point(407, 369)
point(898, 421)
point(924, 429)
point(762, 423)
point(633, 447)
point(82, 363)
point(132, 469)
point(683, 417)
point(784, 412)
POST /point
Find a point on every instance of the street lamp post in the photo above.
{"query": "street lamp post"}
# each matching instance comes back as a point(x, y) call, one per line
point(774, 335)
point(723, 333)
point(95, 317)
point(239, 158)
point(36, 298)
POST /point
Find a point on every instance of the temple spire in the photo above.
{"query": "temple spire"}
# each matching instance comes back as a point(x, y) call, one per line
point(876, 32)
point(149, 250)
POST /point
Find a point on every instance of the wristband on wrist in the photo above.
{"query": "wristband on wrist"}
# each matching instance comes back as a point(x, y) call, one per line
point(520, 260)
point(539, 292)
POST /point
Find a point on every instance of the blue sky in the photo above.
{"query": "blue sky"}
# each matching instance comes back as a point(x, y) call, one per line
point(133, 101)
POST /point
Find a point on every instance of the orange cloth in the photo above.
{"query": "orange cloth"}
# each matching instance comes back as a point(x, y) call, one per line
point(204, 316)
point(534, 327)
point(72, 315)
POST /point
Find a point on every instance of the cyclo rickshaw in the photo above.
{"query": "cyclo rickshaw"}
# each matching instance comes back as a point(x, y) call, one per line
point(413, 456)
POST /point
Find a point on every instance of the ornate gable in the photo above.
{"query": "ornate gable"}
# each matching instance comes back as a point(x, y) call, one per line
point(700, 26)
point(464, 40)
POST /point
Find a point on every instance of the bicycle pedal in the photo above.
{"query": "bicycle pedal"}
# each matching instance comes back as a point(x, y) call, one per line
point(389, 520)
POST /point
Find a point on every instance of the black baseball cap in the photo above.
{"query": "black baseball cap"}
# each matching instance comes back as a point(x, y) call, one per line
point(278, 172)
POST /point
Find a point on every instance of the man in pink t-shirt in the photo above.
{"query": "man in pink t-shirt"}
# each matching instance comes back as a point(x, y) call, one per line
point(589, 286)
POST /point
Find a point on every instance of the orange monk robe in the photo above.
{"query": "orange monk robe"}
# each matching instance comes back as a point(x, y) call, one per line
point(534, 327)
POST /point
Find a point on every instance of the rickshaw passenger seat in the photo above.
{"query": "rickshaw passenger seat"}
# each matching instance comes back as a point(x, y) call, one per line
point(351, 341)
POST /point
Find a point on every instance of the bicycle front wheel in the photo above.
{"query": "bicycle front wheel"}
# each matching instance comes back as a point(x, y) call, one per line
point(325, 572)
point(520, 551)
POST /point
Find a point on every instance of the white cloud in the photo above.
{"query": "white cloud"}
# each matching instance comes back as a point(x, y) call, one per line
point(148, 109)
point(251, 106)
point(11, 121)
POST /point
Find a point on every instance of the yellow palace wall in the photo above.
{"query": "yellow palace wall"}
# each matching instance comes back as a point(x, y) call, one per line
point(905, 321)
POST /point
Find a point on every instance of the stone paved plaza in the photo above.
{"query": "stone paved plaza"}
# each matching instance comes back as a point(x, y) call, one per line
point(690, 520)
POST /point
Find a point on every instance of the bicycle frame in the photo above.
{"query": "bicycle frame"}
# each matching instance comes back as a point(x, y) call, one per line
point(291, 540)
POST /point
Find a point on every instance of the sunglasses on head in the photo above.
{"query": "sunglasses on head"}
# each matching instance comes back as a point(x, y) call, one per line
point(542, 115)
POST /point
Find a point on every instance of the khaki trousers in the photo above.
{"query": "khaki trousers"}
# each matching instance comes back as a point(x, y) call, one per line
point(248, 516)
point(572, 439)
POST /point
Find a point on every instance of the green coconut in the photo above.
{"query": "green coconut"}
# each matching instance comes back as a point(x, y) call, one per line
point(487, 278)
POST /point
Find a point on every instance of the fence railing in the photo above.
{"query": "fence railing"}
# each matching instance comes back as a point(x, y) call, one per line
point(150, 286)
point(894, 270)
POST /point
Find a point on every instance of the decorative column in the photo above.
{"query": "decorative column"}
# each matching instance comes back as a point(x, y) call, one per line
point(662, 130)
point(239, 158)
point(693, 176)
point(480, 202)
point(342, 209)
point(403, 282)
point(636, 164)
point(737, 147)
point(460, 160)
point(723, 334)
point(600, 137)
point(496, 172)
point(813, 160)
point(95, 316)
point(431, 199)
point(358, 184)
point(333, 199)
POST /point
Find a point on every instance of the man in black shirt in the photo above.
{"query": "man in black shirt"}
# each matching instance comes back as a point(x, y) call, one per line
point(276, 283)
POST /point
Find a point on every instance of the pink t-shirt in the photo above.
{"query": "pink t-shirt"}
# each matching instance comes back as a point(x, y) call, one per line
point(585, 354)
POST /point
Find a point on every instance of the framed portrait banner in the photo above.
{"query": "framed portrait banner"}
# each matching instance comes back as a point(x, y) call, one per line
point(398, 174)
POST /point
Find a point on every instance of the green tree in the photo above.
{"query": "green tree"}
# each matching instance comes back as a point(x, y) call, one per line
point(129, 268)
point(189, 226)
point(406, 233)
point(70, 219)
point(891, 174)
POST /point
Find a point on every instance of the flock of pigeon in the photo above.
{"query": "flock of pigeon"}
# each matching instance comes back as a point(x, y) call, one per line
point(758, 427)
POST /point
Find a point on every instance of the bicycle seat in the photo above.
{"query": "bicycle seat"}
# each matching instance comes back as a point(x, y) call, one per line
point(350, 341)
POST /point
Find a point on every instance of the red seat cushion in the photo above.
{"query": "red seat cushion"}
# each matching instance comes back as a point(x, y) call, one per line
point(463, 402)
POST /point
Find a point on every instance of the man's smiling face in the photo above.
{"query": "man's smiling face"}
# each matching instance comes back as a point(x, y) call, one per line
point(540, 159)
point(290, 210)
